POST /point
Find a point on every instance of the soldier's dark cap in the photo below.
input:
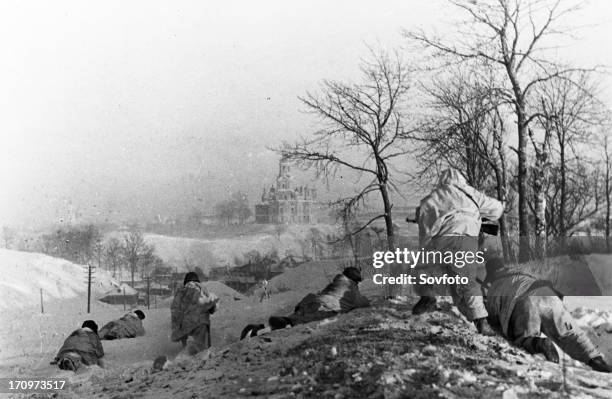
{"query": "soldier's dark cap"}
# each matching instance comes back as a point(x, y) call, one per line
point(353, 273)
point(191, 276)
point(91, 325)
point(140, 314)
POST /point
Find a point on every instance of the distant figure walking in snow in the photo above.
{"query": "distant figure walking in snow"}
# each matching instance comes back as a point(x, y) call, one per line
point(340, 296)
point(190, 313)
point(82, 347)
point(523, 306)
point(128, 326)
point(265, 290)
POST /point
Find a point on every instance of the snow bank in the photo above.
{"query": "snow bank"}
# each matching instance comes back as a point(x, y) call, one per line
point(596, 319)
point(308, 277)
point(24, 274)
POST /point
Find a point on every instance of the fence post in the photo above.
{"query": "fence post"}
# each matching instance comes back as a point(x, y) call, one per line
point(42, 308)
point(148, 297)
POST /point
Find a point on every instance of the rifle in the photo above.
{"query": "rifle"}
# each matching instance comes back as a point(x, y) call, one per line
point(487, 226)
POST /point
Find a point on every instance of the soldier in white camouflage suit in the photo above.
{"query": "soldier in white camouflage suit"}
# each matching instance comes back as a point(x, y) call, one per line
point(449, 219)
point(128, 326)
point(190, 313)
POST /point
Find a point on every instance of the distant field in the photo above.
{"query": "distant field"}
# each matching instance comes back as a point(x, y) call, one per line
point(215, 231)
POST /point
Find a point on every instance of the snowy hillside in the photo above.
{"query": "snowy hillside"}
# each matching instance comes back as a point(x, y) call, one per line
point(208, 253)
point(24, 274)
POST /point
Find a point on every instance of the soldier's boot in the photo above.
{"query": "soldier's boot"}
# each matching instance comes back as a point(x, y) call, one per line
point(483, 327)
point(67, 364)
point(251, 330)
point(159, 363)
point(424, 305)
point(599, 364)
point(545, 347)
point(278, 322)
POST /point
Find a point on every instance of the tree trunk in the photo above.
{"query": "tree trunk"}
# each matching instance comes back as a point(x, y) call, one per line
point(540, 177)
point(607, 195)
point(503, 229)
point(608, 209)
point(521, 123)
point(524, 247)
point(562, 231)
point(540, 224)
point(390, 234)
point(388, 219)
point(133, 270)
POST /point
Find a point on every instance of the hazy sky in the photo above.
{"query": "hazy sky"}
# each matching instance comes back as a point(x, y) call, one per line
point(133, 108)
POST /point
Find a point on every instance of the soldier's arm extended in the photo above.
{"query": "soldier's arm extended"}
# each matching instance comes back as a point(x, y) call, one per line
point(490, 208)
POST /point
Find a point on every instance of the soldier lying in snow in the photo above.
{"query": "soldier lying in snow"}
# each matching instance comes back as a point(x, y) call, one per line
point(82, 347)
point(521, 306)
point(190, 313)
point(340, 296)
point(128, 326)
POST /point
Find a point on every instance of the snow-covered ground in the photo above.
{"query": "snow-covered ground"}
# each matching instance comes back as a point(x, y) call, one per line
point(208, 253)
point(25, 274)
point(29, 339)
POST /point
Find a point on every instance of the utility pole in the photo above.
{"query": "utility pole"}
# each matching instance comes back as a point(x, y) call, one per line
point(89, 281)
point(89, 289)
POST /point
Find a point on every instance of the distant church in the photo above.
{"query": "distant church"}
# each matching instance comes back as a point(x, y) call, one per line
point(284, 204)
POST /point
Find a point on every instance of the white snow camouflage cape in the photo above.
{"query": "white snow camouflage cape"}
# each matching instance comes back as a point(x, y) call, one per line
point(455, 208)
point(190, 309)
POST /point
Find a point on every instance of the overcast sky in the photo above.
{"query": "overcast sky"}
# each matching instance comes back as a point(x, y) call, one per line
point(133, 108)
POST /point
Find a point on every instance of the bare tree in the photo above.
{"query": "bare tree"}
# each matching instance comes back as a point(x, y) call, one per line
point(237, 207)
point(241, 205)
point(113, 254)
point(148, 262)
point(8, 234)
point(364, 129)
point(510, 36)
point(135, 250)
point(466, 131)
point(571, 111)
point(608, 186)
point(74, 243)
point(540, 173)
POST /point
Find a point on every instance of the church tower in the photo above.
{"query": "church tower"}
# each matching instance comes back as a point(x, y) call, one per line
point(283, 181)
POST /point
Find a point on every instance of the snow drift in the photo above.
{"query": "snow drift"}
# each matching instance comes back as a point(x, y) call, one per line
point(185, 253)
point(24, 274)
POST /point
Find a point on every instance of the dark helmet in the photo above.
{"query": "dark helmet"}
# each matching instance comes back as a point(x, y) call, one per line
point(140, 314)
point(191, 276)
point(353, 273)
point(91, 325)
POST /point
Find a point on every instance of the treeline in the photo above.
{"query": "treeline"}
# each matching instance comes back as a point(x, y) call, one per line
point(236, 208)
point(86, 245)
